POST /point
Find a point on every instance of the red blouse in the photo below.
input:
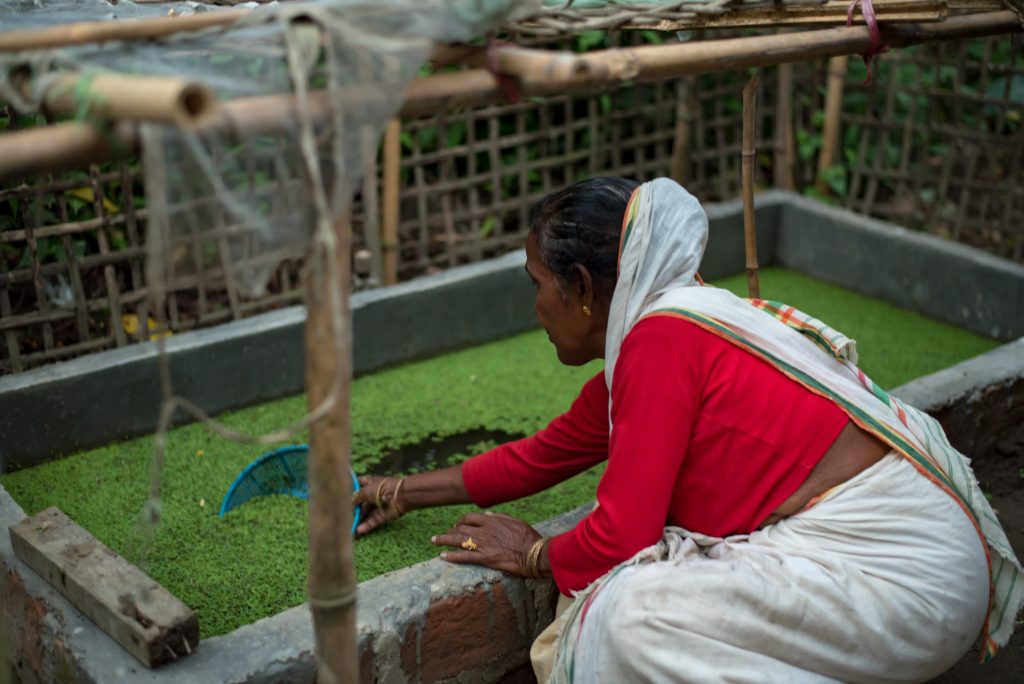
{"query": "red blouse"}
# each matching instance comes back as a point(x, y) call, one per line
point(707, 437)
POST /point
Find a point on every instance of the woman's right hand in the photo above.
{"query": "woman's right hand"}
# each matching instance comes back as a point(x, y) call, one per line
point(382, 501)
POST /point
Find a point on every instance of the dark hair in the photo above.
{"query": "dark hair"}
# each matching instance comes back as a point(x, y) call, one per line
point(580, 224)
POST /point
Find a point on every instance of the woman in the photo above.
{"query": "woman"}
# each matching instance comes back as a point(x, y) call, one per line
point(767, 513)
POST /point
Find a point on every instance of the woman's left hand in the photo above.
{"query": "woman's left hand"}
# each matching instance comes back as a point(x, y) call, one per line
point(493, 540)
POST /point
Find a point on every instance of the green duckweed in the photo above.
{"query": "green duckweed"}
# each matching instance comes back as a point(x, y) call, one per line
point(252, 563)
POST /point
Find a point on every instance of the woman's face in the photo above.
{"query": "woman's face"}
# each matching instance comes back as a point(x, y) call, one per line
point(574, 334)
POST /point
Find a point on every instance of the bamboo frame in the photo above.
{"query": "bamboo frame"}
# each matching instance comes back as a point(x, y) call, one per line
point(831, 12)
point(749, 220)
point(539, 72)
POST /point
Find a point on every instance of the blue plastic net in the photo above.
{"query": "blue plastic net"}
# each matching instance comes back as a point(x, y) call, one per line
point(281, 472)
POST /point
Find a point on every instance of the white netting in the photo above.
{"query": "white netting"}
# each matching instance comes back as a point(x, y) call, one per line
point(305, 90)
point(243, 185)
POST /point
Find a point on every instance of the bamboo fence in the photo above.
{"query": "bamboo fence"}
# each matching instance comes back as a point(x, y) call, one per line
point(73, 243)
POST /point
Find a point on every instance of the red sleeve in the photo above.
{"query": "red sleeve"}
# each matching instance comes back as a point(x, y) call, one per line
point(655, 398)
point(573, 442)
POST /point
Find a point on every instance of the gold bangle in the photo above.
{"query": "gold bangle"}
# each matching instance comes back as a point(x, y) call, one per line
point(394, 499)
point(380, 504)
point(533, 559)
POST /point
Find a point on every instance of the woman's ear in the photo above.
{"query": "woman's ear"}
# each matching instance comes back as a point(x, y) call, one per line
point(583, 284)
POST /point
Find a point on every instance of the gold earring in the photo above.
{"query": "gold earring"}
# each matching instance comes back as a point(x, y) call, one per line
point(586, 310)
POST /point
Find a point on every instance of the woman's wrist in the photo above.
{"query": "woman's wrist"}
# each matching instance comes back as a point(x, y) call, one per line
point(537, 566)
point(434, 488)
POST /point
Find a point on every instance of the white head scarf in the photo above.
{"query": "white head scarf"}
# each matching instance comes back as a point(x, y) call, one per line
point(664, 234)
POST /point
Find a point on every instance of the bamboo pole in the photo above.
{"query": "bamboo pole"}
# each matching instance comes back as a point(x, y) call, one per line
point(392, 156)
point(556, 73)
point(121, 96)
point(832, 12)
point(833, 112)
point(680, 165)
point(52, 149)
point(332, 580)
point(784, 165)
point(371, 206)
point(85, 33)
point(246, 117)
point(748, 152)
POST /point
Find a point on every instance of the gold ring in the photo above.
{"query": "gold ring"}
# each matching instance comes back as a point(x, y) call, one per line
point(469, 544)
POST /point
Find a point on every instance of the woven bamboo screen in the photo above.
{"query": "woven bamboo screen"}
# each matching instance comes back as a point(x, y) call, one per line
point(71, 248)
point(936, 142)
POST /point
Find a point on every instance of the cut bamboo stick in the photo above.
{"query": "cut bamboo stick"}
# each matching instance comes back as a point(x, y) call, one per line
point(748, 152)
point(120, 96)
point(253, 116)
point(833, 112)
point(392, 159)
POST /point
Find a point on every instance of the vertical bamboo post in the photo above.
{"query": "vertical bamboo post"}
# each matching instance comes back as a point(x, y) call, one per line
point(833, 110)
point(332, 581)
point(749, 227)
point(392, 159)
point(784, 166)
point(680, 164)
point(372, 230)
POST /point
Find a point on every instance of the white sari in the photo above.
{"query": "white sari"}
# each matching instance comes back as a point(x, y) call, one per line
point(887, 578)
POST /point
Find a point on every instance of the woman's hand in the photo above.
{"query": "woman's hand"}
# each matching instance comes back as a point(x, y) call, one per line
point(382, 500)
point(493, 540)
point(387, 498)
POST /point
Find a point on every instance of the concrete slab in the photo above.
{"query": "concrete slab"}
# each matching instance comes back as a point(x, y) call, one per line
point(939, 278)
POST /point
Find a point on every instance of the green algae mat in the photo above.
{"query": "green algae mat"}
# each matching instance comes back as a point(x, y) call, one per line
point(252, 563)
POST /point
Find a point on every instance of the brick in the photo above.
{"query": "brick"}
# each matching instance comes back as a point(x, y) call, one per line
point(466, 632)
point(366, 669)
point(64, 669)
point(410, 652)
point(23, 617)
